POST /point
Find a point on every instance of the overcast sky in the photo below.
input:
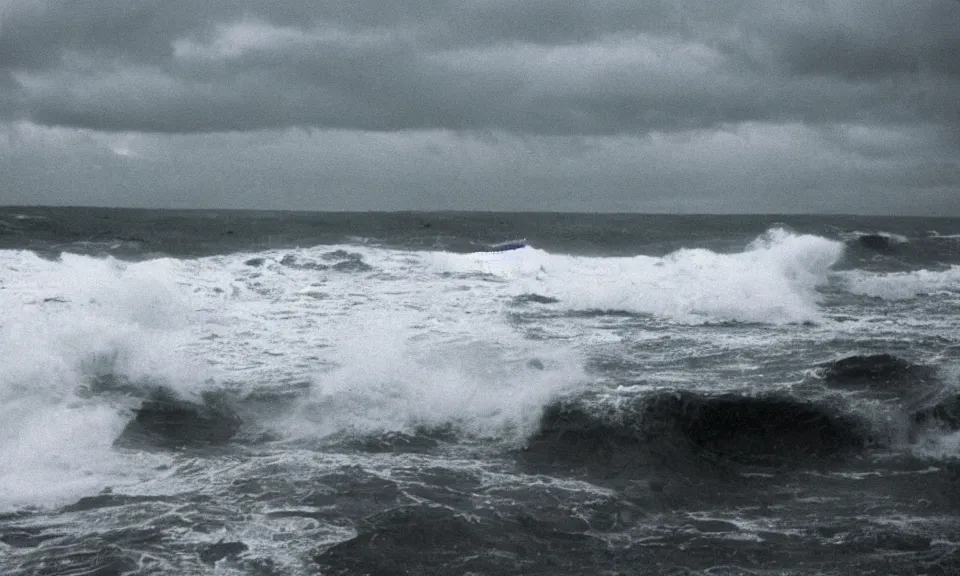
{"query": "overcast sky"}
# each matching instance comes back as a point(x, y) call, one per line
point(590, 105)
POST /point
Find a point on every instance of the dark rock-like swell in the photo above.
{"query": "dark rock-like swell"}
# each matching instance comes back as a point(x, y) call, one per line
point(166, 421)
point(763, 430)
point(924, 398)
point(876, 242)
point(881, 374)
point(108, 500)
point(691, 433)
point(534, 298)
point(944, 413)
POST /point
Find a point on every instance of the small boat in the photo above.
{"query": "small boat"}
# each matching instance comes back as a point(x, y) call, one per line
point(506, 246)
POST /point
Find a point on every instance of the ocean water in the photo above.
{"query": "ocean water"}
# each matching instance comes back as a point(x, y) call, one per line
point(295, 393)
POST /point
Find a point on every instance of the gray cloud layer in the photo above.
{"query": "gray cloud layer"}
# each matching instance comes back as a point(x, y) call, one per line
point(563, 67)
point(624, 105)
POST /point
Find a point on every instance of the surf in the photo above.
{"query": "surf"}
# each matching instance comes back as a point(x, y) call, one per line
point(773, 280)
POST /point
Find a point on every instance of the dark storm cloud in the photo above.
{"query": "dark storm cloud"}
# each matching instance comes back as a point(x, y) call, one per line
point(10, 95)
point(882, 39)
point(538, 67)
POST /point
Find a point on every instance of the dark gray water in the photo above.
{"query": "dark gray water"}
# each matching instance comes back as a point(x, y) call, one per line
point(295, 393)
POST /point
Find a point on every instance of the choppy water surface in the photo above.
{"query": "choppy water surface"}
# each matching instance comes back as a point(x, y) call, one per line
point(278, 393)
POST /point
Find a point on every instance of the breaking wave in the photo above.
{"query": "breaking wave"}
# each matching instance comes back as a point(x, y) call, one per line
point(96, 338)
point(68, 322)
point(774, 280)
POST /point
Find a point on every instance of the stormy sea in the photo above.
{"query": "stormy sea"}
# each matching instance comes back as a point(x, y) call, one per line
point(285, 393)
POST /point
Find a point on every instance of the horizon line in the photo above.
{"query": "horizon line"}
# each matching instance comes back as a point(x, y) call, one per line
point(468, 211)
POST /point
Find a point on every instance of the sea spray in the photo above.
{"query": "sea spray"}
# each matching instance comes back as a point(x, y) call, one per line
point(69, 323)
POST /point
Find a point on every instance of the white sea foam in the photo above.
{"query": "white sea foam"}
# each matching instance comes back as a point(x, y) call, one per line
point(387, 380)
point(902, 285)
point(388, 339)
point(935, 234)
point(392, 347)
point(773, 281)
point(61, 321)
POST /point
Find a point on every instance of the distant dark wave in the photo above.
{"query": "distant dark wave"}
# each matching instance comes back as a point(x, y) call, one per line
point(697, 433)
point(692, 433)
point(892, 252)
point(882, 375)
point(925, 399)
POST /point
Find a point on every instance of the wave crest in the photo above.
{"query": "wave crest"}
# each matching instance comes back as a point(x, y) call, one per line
point(774, 280)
